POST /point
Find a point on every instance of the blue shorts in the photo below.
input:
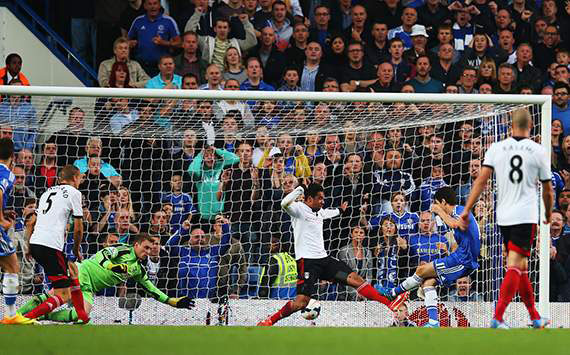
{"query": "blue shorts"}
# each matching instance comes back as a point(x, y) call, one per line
point(6, 245)
point(449, 269)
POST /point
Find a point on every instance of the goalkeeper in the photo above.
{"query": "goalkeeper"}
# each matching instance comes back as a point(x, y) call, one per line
point(110, 267)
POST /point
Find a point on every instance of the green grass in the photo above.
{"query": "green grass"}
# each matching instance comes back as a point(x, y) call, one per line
point(142, 340)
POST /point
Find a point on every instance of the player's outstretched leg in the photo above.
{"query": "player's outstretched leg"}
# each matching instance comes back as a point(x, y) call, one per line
point(366, 290)
point(10, 284)
point(422, 273)
point(300, 302)
point(33, 303)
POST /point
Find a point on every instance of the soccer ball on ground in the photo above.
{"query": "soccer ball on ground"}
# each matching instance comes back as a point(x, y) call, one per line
point(312, 311)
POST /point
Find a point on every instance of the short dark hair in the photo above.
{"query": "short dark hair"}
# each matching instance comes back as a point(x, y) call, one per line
point(313, 190)
point(12, 56)
point(68, 172)
point(141, 237)
point(560, 85)
point(446, 194)
point(6, 148)
point(190, 75)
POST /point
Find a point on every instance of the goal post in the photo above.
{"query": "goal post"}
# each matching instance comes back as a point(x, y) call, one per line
point(403, 112)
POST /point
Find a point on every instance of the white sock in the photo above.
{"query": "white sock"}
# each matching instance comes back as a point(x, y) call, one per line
point(411, 283)
point(431, 303)
point(10, 290)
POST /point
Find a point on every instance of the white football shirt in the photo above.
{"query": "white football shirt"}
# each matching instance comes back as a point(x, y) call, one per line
point(55, 207)
point(308, 229)
point(519, 164)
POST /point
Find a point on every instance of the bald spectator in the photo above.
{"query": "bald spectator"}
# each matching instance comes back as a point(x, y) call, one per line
point(272, 58)
point(94, 148)
point(213, 78)
point(385, 81)
point(213, 49)
point(404, 32)
point(423, 82)
point(138, 77)
point(359, 30)
point(443, 68)
point(13, 70)
point(153, 35)
point(507, 43)
point(189, 61)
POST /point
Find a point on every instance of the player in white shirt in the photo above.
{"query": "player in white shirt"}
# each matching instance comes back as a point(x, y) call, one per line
point(519, 164)
point(313, 262)
point(46, 243)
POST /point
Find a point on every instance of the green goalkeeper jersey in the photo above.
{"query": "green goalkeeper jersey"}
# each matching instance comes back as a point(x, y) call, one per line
point(94, 275)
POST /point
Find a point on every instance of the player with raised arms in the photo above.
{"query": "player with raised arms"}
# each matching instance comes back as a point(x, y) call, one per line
point(47, 233)
point(8, 260)
point(313, 262)
point(444, 271)
point(519, 164)
point(110, 267)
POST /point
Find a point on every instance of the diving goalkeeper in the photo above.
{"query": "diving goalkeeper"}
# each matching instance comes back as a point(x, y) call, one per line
point(110, 267)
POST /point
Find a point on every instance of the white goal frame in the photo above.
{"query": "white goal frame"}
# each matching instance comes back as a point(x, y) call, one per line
point(545, 102)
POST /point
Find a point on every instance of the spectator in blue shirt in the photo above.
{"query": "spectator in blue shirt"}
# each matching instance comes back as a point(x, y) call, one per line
point(426, 246)
point(198, 261)
point(254, 81)
point(182, 207)
point(21, 116)
point(166, 79)
point(560, 109)
point(429, 186)
point(94, 148)
point(153, 34)
point(406, 222)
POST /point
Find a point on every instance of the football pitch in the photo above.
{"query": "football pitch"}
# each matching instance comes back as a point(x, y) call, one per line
point(142, 340)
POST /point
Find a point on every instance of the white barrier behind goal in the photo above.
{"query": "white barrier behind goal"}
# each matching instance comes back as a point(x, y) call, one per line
point(366, 149)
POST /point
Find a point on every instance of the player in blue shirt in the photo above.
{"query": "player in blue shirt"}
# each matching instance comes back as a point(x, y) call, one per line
point(8, 260)
point(444, 271)
point(406, 222)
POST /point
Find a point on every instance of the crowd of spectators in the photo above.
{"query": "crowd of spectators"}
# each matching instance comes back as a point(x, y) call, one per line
point(211, 191)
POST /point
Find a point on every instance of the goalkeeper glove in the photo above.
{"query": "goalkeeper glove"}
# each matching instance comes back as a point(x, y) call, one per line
point(118, 268)
point(182, 302)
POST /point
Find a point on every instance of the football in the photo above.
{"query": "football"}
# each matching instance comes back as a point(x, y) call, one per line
point(312, 311)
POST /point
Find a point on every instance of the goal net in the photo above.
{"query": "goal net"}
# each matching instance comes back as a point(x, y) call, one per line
point(205, 172)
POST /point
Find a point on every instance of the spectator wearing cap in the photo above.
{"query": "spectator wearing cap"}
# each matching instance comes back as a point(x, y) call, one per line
point(409, 19)
point(13, 70)
point(272, 58)
point(137, 76)
point(213, 49)
point(419, 41)
point(165, 79)
point(423, 82)
point(153, 35)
